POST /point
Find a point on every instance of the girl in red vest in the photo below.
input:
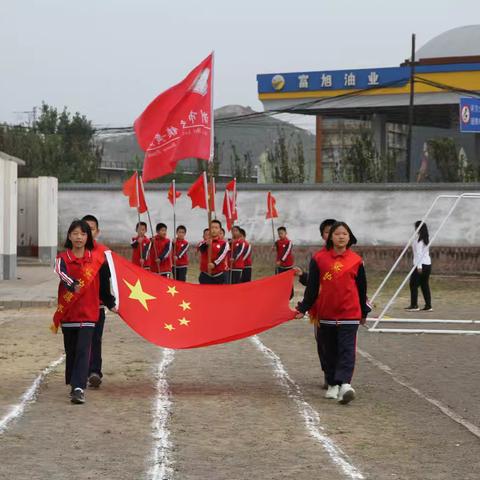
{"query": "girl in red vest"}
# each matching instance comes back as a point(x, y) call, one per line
point(78, 302)
point(336, 299)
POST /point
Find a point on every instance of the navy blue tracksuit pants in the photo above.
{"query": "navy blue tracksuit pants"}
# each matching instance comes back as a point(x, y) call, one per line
point(339, 348)
point(77, 342)
point(96, 354)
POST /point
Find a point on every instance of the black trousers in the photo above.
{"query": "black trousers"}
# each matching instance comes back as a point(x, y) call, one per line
point(96, 352)
point(235, 276)
point(279, 270)
point(180, 273)
point(77, 342)
point(339, 344)
point(320, 346)
point(421, 280)
point(247, 275)
point(206, 279)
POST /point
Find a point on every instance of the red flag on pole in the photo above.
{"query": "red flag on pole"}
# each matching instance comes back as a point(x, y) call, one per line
point(271, 206)
point(133, 189)
point(198, 192)
point(178, 124)
point(179, 315)
point(173, 194)
point(229, 204)
point(211, 194)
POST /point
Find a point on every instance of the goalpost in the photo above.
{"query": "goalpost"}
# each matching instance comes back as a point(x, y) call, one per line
point(381, 317)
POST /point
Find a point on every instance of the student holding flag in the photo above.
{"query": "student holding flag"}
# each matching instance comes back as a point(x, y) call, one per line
point(180, 259)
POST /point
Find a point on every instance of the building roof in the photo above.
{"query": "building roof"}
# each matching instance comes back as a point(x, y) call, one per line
point(10, 158)
point(457, 42)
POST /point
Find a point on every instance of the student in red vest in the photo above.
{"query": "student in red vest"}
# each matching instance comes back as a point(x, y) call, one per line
point(181, 255)
point(336, 299)
point(78, 303)
point(237, 261)
point(247, 258)
point(140, 245)
point(213, 272)
point(95, 374)
point(161, 252)
point(284, 249)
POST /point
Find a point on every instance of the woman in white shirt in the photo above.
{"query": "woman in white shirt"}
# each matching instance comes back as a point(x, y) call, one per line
point(421, 274)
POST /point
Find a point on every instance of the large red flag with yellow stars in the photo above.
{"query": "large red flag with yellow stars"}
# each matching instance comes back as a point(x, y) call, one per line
point(184, 315)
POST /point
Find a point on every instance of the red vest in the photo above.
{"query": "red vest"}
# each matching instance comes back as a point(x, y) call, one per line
point(338, 296)
point(140, 250)
point(219, 254)
point(284, 252)
point(165, 265)
point(247, 257)
point(238, 245)
point(181, 246)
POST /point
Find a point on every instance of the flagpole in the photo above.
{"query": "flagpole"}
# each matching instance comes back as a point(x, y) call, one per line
point(149, 220)
point(174, 229)
point(138, 214)
point(230, 214)
point(271, 216)
point(210, 162)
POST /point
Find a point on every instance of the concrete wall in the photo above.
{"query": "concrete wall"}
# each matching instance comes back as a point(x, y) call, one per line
point(8, 219)
point(378, 215)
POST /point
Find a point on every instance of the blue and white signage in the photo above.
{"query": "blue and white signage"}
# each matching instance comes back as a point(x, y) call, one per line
point(470, 115)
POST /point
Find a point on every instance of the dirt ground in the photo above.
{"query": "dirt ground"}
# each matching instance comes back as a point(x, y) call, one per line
point(231, 418)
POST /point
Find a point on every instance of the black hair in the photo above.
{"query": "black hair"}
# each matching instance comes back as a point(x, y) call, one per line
point(217, 222)
point(222, 230)
point(143, 224)
point(182, 227)
point(352, 241)
point(243, 232)
point(423, 232)
point(85, 228)
point(206, 230)
point(281, 229)
point(91, 218)
point(237, 227)
point(160, 226)
point(328, 222)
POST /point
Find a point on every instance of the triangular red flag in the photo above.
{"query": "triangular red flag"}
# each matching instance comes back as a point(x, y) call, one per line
point(198, 192)
point(173, 194)
point(271, 206)
point(146, 303)
point(133, 189)
point(229, 204)
point(178, 124)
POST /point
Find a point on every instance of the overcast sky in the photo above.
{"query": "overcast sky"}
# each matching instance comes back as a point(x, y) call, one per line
point(109, 58)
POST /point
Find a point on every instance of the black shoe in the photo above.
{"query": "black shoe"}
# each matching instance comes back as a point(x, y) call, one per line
point(94, 380)
point(427, 309)
point(78, 396)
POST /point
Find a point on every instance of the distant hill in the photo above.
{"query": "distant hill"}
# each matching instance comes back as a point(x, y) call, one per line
point(250, 137)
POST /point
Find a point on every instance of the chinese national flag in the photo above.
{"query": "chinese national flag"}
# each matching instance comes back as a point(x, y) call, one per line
point(271, 206)
point(133, 189)
point(230, 204)
point(178, 124)
point(175, 314)
point(198, 192)
point(173, 194)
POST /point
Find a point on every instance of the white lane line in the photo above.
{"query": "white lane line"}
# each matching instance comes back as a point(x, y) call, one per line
point(309, 414)
point(161, 461)
point(29, 396)
point(442, 407)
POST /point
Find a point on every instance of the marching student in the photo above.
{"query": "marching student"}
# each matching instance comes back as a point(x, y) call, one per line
point(95, 374)
point(181, 255)
point(78, 302)
point(284, 249)
point(140, 245)
point(237, 261)
point(161, 252)
point(421, 274)
point(325, 227)
point(336, 299)
point(247, 258)
point(213, 272)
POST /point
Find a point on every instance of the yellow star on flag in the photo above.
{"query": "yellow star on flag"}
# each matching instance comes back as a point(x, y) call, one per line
point(137, 293)
point(169, 327)
point(185, 305)
point(184, 321)
point(172, 291)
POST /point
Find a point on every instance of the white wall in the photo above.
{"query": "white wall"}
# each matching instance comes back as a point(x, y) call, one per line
point(381, 216)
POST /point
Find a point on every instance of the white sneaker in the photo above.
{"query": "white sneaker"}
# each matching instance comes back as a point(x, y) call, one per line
point(346, 394)
point(332, 392)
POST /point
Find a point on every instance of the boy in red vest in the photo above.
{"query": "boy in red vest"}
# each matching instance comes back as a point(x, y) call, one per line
point(284, 249)
point(237, 261)
point(213, 272)
point(181, 255)
point(247, 258)
point(161, 252)
point(140, 245)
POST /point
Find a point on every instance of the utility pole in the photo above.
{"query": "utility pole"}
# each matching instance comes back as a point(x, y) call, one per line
point(411, 111)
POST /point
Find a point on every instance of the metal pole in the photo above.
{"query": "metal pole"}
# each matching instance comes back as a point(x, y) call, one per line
point(411, 111)
point(174, 229)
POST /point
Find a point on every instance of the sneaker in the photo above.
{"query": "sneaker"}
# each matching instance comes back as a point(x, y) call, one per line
point(78, 396)
point(412, 309)
point(346, 394)
point(427, 309)
point(94, 380)
point(332, 392)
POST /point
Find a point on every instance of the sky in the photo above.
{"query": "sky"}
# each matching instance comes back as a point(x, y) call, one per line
point(108, 59)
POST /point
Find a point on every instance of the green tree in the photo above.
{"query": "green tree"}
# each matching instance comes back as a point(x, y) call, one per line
point(241, 166)
point(444, 152)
